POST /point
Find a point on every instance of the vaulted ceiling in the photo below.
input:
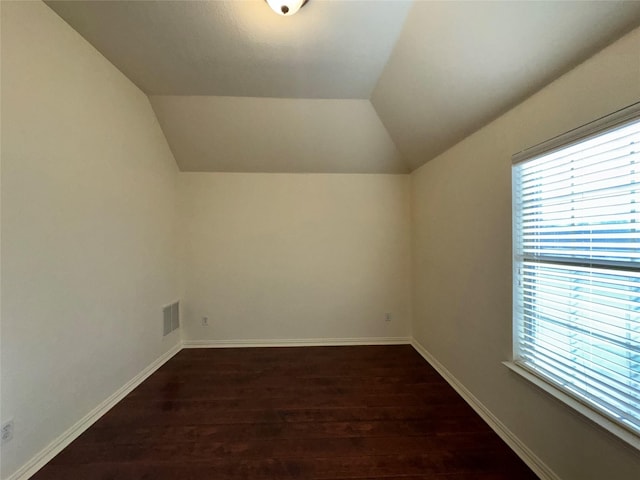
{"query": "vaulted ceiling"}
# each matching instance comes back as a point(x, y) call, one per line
point(378, 86)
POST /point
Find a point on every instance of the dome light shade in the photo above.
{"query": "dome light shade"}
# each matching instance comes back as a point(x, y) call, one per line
point(286, 8)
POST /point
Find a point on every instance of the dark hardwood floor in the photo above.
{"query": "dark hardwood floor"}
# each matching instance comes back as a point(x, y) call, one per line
point(374, 412)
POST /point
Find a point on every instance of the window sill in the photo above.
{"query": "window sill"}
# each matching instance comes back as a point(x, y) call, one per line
point(612, 427)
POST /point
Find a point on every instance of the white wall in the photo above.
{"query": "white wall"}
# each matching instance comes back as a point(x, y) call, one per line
point(461, 213)
point(88, 243)
point(295, 256)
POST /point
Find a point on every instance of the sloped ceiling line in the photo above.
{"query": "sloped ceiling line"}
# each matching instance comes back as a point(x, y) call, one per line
point(241, 134)
point(239, 88)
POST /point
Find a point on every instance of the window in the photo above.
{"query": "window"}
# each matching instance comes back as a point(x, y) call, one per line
point(576, 205)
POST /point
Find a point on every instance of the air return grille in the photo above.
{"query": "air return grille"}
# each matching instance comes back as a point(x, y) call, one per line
point(170, 318)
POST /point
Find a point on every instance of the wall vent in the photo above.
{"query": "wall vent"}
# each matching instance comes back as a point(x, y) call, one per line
point(170, 318)
point(175, 316)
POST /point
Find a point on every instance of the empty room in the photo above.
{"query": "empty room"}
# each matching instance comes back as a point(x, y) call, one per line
point(319, 240)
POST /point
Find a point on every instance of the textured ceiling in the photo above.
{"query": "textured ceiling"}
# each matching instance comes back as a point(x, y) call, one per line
point(329, 49)
point(458, 65)
point(372, 86)
point(241, 134)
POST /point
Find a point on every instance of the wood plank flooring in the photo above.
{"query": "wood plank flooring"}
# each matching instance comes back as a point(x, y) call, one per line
point(332, 413)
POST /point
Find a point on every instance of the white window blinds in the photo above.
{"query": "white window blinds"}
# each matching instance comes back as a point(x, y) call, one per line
point(577, 264)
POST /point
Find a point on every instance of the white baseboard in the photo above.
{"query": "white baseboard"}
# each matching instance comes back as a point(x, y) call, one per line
point(527, 456)
point(55, 447)
point(296, 342)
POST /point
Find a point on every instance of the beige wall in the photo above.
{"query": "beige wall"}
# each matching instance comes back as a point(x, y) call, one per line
point(295, 256)
point(461, 214)
point(88, 204)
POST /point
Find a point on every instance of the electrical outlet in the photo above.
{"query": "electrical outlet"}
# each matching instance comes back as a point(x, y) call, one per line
point(7, 430)
point(387, 317)
point(205, 321)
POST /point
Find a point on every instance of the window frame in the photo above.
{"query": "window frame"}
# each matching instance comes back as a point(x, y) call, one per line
point(568, 139)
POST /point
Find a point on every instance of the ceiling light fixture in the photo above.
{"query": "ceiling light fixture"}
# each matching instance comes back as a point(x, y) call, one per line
point(286, 8)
